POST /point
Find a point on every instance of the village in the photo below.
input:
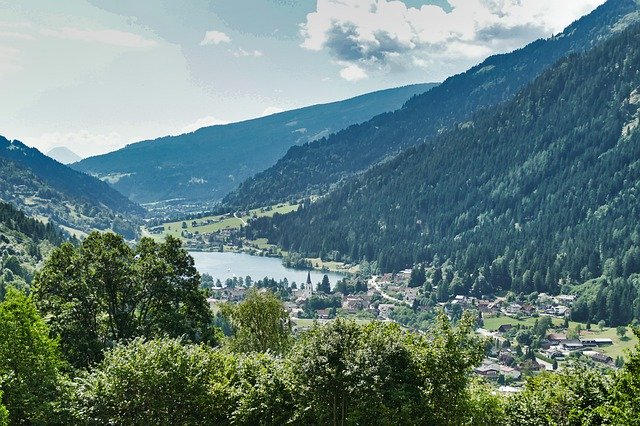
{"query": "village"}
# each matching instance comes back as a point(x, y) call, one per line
point(524, 336)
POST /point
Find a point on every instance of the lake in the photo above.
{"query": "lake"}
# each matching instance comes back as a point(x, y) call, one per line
point(228, 265)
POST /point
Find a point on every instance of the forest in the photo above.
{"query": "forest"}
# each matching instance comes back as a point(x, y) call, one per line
point(537, 194)
point(118, 352)
point(317, 166)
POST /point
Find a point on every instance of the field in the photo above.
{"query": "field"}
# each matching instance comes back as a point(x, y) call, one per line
point(617, 349)
point(211, 224)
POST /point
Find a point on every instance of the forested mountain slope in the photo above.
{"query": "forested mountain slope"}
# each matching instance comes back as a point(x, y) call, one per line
point(208, 163)
point(24, 242)
point(43, 187)
point(314, 167)
point(537, 194)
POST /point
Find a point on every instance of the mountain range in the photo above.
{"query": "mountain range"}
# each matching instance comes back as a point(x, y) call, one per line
point(314, 167)
point(45, 188)
point(206, 164)
point(537, 194)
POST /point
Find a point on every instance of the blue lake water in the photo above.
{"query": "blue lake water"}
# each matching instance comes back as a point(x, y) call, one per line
point(228, 265)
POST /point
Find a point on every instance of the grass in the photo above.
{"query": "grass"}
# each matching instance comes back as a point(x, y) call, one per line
point(222, 222)
point(618, 348)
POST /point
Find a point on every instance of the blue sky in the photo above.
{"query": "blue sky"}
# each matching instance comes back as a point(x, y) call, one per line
point(95, 75)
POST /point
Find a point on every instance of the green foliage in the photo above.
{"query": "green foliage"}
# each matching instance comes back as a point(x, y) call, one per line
point(377, 374)
point(103, 291)
point(30, 364)
point(260, 323)
point(625, 405)
point(4, 414)
point(157, 383)
point(569, 397)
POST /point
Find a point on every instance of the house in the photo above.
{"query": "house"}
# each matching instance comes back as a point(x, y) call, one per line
point(556, 339)
point(572, 345)
point(491, 371)
point(385, 309)
point(323, 313)
point(559, 311)
point(528, 309)
point(504, 328)
point(514, 308)
point(554, 353)
point(354, 304)
point(566, 299)
point(599, 357)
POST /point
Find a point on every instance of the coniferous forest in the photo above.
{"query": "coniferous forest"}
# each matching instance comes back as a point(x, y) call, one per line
point(537, 194)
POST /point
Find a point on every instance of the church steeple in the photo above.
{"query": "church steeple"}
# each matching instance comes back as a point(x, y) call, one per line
point(308, 277)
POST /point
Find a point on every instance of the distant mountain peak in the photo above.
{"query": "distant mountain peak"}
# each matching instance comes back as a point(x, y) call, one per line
point(63, 155)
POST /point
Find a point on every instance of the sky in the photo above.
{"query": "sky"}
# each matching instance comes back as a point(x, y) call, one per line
point(95, 75)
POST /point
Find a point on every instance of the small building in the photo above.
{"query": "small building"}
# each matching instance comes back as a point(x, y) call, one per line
point(599, 357)
point(504, 328)
point(491, 371)
point(556, 338)
point(385, 309)
point(572, 345)
point(514, 308)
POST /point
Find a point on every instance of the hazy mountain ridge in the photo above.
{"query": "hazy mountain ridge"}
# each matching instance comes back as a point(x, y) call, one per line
point(63, 155)
point(314, 167)
point(42, 187)
point(210, 162)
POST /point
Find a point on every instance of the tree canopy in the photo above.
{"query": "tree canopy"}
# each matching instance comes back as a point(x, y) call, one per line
point(104, 291)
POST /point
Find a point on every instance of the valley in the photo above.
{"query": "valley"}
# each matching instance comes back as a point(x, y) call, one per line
point(456, 253)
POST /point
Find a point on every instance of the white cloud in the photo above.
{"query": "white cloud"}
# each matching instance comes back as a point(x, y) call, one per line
point(214, 37)
point(241, 53)
point(272, 110)
point(111, 37)
point(382, 35)
point(82, 142)
point(202, 122)
point(353, 73)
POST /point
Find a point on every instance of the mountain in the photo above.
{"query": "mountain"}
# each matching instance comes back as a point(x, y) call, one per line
point(210, 162)
point(63, 155)
point(24, 243)
point(42, 187)
point(539, 194)
point(314, 167)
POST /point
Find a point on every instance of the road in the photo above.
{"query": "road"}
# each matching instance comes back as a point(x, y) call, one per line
point(235, 214)
point(374, 284)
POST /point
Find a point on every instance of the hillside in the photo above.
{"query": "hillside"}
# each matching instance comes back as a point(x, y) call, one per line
point(314, 167)
point(208, 163)
point(537, 194)
point(42, 187)
point(24, 243)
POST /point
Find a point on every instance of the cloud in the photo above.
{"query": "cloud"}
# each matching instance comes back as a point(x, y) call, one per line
point(202, 122)
point(386, 35)
point(111, 37)
point(241, 53)
point(82, 142)
point(214, 37)
point(272, 110)
point(353, 73)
